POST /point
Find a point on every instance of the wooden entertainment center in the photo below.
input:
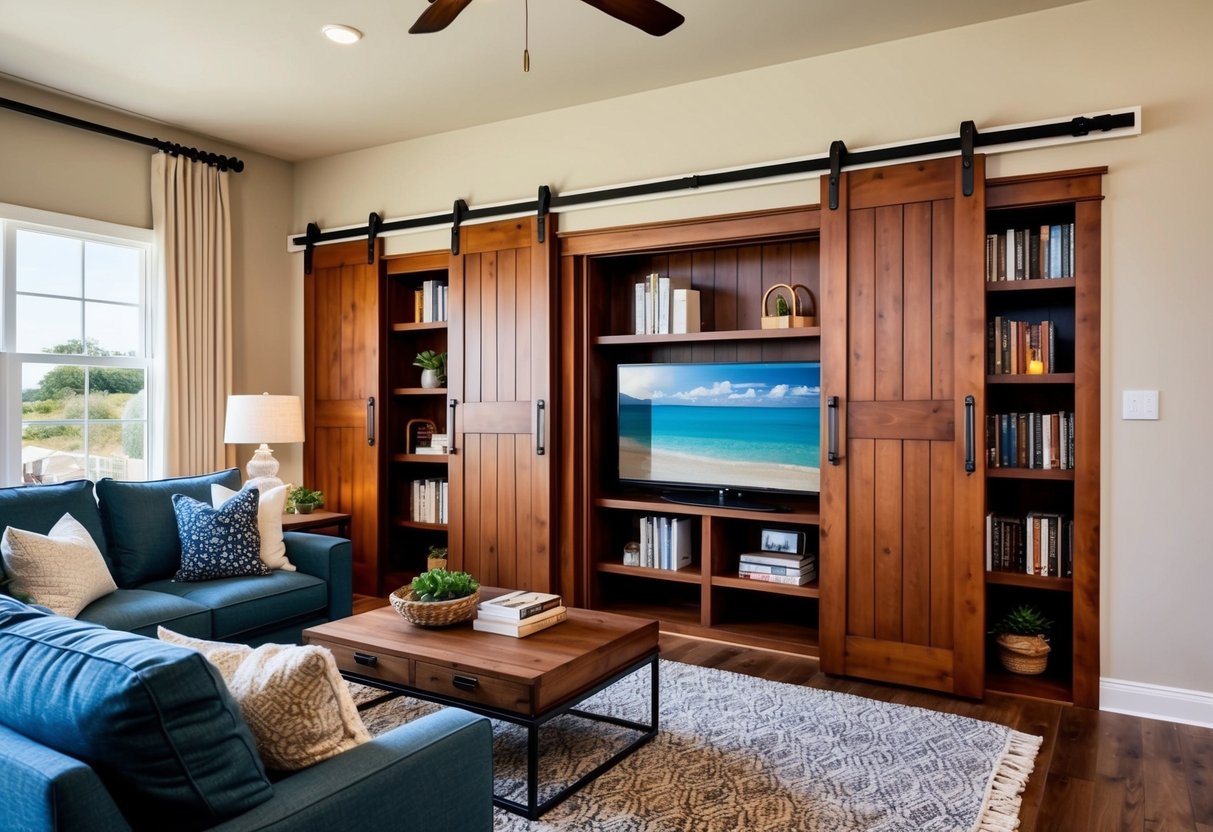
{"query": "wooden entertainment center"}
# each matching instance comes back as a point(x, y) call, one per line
point(537, 330)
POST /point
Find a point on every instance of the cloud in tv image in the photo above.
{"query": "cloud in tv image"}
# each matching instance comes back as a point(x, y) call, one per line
point(745, 425)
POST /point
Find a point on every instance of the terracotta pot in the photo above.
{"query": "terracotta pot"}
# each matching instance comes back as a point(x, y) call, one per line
point(435, 563)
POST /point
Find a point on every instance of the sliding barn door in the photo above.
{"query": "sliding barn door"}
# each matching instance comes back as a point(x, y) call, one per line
point(341, 378)
point(500, 389)
point(902, 342)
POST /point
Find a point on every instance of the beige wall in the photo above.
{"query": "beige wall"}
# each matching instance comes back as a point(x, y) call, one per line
point(55, 168)
point(1083, 58)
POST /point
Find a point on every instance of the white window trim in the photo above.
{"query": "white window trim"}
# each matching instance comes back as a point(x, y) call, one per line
point(17, 216)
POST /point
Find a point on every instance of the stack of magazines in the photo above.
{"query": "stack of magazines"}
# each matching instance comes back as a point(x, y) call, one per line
point(519, 613)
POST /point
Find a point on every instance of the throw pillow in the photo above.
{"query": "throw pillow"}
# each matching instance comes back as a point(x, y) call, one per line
point(218, 543)
point(293, 698)
point(269, 521)
point(62, 570)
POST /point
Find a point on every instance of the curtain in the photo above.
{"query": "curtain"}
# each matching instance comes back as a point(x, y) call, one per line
point(191, 216)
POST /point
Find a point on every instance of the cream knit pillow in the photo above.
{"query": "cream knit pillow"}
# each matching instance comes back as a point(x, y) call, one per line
point(62, 570)
point(271, 502)
point(293, 698)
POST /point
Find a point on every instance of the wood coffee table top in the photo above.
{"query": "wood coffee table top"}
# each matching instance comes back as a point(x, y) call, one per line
point(527, 676)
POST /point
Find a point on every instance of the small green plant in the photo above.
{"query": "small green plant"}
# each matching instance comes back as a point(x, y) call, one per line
point(781, 306)
point(430, 360)
point(437, 552)
point(1024, 620)
point(300, 496)
point(440, 585)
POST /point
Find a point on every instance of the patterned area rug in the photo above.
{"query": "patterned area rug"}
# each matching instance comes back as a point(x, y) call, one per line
point(739, 753)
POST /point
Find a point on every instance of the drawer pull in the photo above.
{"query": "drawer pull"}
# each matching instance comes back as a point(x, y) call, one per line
point(465, 682)
point(366, 659)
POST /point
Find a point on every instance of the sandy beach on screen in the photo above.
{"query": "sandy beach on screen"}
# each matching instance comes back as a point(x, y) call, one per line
point(673, 467)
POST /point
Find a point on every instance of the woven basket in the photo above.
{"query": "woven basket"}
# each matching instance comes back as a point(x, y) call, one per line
point(434, 613)
point(1027, 655)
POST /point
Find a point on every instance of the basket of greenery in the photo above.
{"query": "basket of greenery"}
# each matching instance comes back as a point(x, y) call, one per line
point(1023, 640)
point(438, 598)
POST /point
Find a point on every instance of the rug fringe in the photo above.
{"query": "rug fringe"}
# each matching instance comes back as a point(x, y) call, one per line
point(1000, 808)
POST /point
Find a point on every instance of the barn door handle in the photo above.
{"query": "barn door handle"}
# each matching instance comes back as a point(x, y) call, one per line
point(832, 422)
point(451, 449)
point(540, 424)
point(370, 420)
point(970, 440)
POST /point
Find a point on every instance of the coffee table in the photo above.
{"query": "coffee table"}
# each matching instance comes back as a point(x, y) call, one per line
point(526, 681)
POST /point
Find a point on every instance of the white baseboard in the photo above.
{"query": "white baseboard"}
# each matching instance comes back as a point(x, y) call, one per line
point(1192, 707)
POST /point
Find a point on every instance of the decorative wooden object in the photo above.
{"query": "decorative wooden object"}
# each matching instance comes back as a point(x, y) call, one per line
point(790, 295)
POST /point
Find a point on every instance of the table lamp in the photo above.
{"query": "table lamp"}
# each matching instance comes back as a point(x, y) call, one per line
point(260, 420)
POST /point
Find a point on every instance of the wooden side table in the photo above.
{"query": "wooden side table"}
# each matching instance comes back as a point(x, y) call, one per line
point(317, 520)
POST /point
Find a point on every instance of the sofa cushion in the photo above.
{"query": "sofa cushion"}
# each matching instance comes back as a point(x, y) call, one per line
point(62, 570)
point(141, 611)
point(269, 519)
point(293, 698)
point(243, 605)
point(218, 542)
point(140, 526)
point(155, 721)
point(37, 508)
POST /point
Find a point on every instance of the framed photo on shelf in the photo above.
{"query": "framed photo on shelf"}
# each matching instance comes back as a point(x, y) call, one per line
point(777, 540)
point(419, 433)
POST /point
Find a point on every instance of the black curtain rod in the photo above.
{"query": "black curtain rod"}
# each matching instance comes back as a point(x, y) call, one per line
point(213, 159)
point(1077, 126)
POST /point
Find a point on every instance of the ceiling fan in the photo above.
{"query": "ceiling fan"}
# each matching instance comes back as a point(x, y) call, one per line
point(647, 15)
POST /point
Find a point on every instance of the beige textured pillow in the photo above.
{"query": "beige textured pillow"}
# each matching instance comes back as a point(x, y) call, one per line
point(271, 503)
point(62, 570)
point(293, 698)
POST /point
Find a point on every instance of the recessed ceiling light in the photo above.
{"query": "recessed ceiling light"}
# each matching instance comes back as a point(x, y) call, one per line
point(340, 33)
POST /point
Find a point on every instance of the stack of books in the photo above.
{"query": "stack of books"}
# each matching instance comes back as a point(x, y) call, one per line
point(519, 613)
point(778, 567)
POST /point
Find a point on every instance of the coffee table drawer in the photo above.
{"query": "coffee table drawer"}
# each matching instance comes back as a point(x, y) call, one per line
point(368, 663)
point(477, 688)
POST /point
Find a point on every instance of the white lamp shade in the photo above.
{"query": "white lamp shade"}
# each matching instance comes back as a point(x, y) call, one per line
point(263, 419)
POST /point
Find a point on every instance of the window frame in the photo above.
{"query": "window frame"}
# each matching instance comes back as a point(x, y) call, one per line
point(14, 218)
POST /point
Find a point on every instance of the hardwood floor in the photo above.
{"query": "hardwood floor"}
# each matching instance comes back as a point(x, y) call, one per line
point(1096, 770)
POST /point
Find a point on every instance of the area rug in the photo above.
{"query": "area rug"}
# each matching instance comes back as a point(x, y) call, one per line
point(739, 753)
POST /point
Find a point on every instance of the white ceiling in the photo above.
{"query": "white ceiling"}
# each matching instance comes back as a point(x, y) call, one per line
point(259, 74)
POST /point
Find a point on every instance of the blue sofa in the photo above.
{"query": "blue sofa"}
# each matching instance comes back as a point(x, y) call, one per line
point(108, 730)
point(135, 528)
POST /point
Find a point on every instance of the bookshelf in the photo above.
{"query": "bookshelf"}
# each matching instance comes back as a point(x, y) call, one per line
point(731, 261)
point(407, 539)
point(1070, 305)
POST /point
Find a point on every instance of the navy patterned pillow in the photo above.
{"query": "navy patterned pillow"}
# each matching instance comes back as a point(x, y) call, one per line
point(219, 542)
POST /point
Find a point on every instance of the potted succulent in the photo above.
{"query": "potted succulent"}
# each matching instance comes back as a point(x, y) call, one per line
point(438, 598)
point(304, 500)
point(1023, 640)
point(433, 368)
point(436, 558)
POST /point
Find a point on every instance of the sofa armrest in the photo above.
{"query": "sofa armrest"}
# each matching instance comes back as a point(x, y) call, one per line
point(433, 774)
point(46, 790)
point(330, 559)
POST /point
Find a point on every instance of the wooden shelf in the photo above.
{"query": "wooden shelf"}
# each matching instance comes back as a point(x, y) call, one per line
point(437, 459)
point(806, 591)
point(413, 524)
point(1059, 474)
point(684, 615)
point(686, 575)
point(771, 635)
point(799, 514)
point(1034, 285)
point(701, 337)
point(1025, 378)
point(1030, 581)
point(1045, 686)
point(410, 326)
point(418, 391)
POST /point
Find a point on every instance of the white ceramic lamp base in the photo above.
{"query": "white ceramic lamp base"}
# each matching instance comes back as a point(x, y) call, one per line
point(262, 464)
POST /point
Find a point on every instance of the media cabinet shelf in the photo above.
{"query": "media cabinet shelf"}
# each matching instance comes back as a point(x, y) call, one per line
point(796, 516)
point(806, 591)
point(686, 575)
point(1027, 378)
point(435, 459)
point(1030, 581)
point(410, 326)
point(1055, 474)
point(1046, 686)
point(414, 524)
point(701, 337)
point(419, 391)
point(1055, 284)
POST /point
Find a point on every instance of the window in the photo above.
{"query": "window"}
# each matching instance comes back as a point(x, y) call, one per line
point(77, 362)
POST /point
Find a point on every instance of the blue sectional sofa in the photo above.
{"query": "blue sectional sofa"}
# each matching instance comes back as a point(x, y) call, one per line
point(135, 528)
point(106, 730)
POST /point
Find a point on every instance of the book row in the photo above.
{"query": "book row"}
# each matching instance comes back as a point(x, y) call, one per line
point(666, 305)
point(665, 543)
point(1014, 347)
point(429, 302)
point(1030, 440)
point(429, 499)
point(1038, 544)
point(778, 567)
point(1046, 251)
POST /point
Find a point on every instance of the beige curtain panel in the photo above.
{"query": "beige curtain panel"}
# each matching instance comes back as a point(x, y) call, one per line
point(191, 215)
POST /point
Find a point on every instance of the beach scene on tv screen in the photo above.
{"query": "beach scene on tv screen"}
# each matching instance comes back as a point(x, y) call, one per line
point(754, 425)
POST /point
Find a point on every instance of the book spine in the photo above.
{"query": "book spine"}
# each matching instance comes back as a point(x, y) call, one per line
point(765, 569)
point(1055, 251)
point(639, 309)
point(790, 580)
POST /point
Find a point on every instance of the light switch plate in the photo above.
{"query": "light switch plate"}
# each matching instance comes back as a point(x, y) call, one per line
point(1140, 404)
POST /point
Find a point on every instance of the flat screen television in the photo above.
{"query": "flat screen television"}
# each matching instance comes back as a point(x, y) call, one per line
point(726, 429)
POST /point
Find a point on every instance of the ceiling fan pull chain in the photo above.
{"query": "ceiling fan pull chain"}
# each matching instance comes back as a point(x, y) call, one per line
point(526, 36)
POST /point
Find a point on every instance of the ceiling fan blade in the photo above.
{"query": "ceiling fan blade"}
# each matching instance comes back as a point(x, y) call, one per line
point(438, 16)
point(647, 15)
